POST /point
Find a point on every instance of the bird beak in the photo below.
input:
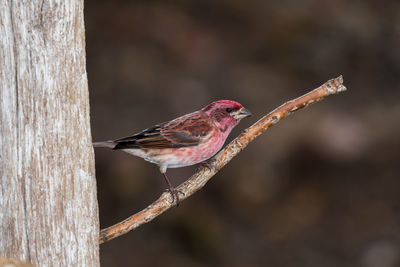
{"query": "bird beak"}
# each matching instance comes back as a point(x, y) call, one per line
point(243, 113)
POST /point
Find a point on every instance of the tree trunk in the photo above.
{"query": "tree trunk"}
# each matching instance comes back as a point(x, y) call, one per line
point(48, 204)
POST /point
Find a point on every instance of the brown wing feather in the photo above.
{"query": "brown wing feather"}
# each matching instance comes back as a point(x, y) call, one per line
point(188, 130)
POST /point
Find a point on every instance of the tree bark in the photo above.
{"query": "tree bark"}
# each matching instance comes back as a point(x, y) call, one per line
point(48, 203)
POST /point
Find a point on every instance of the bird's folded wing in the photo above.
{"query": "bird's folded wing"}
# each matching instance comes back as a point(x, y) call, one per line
point(188, 130)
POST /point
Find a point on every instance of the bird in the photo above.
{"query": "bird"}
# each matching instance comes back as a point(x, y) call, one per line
point(187, 140)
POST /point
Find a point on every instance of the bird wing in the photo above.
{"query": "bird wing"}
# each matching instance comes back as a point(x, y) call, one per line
point(188, 130)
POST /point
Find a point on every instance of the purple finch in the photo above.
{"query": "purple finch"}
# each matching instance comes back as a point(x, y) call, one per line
point(184, 141)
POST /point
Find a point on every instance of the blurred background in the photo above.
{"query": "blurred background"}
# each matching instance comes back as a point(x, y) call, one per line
point(321, 188)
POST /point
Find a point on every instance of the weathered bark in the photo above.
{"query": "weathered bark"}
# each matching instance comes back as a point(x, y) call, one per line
point(48, 204)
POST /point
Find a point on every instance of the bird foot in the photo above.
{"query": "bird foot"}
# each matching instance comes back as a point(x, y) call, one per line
point(175, 195)
point(210, 165)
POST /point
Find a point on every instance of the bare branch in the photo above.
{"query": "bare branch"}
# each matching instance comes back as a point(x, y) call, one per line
point(203, 174)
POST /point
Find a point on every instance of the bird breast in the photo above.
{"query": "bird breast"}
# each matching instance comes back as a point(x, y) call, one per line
point(183, 156)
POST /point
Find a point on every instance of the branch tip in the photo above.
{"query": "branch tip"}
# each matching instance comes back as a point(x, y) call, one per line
point(335, 86)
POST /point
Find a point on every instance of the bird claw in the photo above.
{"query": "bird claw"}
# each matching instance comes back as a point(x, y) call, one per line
point(175, 195)
point(210, 165)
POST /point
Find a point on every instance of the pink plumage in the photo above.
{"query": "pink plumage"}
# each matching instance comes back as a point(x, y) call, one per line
point(184, 141)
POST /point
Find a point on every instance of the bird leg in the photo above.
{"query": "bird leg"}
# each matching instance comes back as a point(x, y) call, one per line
point(172, 190)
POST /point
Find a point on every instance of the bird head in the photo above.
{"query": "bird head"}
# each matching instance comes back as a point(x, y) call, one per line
point(226, 114)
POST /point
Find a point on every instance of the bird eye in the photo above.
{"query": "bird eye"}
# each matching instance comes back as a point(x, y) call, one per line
point(229, 110)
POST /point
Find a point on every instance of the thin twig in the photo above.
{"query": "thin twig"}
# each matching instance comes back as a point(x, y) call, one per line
point(204, 173)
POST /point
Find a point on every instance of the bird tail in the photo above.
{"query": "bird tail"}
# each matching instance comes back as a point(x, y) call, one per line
point(108, 144)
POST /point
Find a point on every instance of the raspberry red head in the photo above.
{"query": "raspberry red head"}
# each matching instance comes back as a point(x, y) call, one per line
point(222, 103)
point(226, 114)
